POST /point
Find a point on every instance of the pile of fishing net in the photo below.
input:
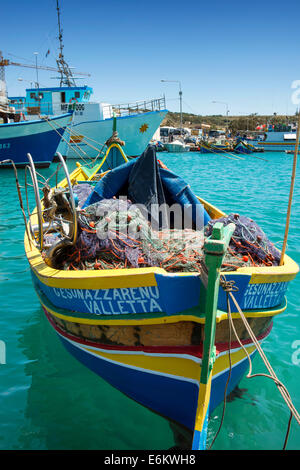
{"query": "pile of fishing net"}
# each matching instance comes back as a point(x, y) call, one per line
point(249, 245)
point(113, 233)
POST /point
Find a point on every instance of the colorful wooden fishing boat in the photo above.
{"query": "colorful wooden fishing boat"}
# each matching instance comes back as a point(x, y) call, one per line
point(151, 333)
point(245, 147)
point(207, 147)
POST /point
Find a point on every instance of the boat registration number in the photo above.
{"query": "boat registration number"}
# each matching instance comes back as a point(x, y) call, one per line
point(5, 146)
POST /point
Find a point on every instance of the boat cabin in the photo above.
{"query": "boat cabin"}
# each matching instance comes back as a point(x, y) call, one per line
point(50, 101)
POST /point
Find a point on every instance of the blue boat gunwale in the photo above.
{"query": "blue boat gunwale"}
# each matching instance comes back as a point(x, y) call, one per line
point(152, 318)
point(35, 121)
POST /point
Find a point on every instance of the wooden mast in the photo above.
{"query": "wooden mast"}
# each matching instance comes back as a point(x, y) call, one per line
point(288, 216)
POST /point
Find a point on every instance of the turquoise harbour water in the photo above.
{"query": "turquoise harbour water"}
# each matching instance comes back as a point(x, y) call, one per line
point(50, 401)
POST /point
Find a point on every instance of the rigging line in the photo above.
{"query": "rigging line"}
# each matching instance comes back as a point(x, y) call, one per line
point(100, 151)
point(86, 137)
point(22, 58)
point(62, 137)
point(289, 209)
point(70, 130)
point(249, 376)
point(259, 158)
point(228, 287)
point(194, 111)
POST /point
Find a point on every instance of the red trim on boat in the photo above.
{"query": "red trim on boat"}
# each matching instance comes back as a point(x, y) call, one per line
point(193, 350)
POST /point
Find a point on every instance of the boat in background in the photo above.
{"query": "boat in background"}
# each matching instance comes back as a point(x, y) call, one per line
point(277, 138)
point(91, 124)
point(92, 121)
point(242, 146)
point(177, 147)
point(212, 147)
point(40, 137)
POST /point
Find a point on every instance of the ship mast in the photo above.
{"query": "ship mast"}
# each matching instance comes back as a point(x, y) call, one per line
point(66, 76)
point(3, 92)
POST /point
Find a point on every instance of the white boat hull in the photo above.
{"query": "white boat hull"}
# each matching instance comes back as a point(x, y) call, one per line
point(177, 148)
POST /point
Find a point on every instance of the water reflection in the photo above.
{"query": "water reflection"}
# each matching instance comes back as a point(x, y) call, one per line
point(69, 407)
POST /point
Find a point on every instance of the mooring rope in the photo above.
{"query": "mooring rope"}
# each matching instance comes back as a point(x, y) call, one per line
point(228, 287)
point(86, 138)
point(62, 137)
point(72, 133)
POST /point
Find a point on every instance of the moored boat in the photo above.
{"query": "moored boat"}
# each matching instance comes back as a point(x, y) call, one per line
point(40, 138)
point(242, 146)
point(92, 121)
point(91, 124)
point(141, 326)
point(177, 147)
point(209, 147)
point(276, 138)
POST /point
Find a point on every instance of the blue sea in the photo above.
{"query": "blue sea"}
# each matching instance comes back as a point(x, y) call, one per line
point(50, 401)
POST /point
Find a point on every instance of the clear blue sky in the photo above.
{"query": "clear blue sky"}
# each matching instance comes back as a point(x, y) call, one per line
point(244, 53)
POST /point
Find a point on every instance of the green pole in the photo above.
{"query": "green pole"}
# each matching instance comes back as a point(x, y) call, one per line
point(215, 249)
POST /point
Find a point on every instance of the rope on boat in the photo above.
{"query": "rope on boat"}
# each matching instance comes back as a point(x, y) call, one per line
point(84, 140)
point(229, 288)
point(62, 137)
point(288, 216)
point(68, 143)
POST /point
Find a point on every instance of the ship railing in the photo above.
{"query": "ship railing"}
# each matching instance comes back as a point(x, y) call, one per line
point(138, 107)
point(125, 109)
point(32, 108)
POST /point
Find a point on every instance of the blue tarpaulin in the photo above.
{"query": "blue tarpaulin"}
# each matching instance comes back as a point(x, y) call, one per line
point(145, 183)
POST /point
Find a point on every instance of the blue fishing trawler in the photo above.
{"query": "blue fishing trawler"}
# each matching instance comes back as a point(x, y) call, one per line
point(92, 122)
point(39, 137)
